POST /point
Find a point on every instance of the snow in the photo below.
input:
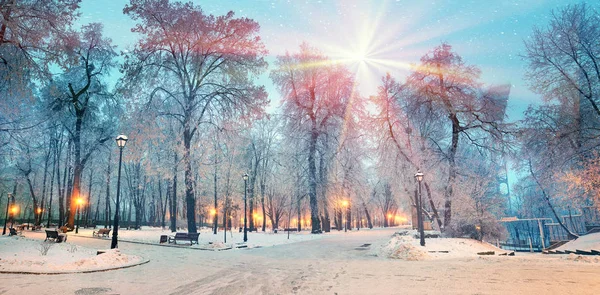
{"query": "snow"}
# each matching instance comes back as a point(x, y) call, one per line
point(586, 243)
point(328, 264)
point(403, 245)
point(20, 254)
point(208, 240)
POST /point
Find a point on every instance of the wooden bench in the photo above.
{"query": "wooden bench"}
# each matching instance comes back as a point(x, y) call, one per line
point(103, 232)
point(188, 237)
point(291, 229)
point(93, 225)
point(55, 236)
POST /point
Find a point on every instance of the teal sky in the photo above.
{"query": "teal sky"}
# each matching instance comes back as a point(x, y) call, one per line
point(379, 36)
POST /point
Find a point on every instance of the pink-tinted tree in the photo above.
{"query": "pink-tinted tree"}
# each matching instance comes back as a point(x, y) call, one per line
point(202, 65)
point(316, 97)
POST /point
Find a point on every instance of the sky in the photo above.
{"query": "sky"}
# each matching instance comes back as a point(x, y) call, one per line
point(379, 36)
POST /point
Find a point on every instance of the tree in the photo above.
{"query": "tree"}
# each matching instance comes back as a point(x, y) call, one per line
point(316, 94)
point(80, 97)
point(565, 57)
point(448, 91)
point(201, 64)
point(31, 38)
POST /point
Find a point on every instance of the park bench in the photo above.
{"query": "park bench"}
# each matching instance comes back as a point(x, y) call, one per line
point(188, 237)
point(290, 229)
point(36, 228)
point(92, 225)
point(14, 231)
point(103, 232)
point(55, 236)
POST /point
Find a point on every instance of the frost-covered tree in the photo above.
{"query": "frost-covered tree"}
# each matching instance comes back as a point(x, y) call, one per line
point(203, 65)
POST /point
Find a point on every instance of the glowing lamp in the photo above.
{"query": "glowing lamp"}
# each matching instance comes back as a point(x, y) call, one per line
point(419, 176)
point(121, 141)
point(213, 211)
point(245, 177)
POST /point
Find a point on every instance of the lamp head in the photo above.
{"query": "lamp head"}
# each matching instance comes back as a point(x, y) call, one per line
point(245, 176)
point(419, 176)
point(121, 141)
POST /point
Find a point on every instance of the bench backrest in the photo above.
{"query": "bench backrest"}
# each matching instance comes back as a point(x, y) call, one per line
point(193, 236)
point(181, 235)
point(51, 234)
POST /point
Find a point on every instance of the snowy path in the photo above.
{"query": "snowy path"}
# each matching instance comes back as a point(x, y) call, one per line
point(322, 266)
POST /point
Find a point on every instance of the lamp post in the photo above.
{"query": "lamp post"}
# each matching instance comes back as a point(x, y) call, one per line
point(121, 141)
point(245, 205)
point(6, 216)
point(419, 178)
point(79, 202)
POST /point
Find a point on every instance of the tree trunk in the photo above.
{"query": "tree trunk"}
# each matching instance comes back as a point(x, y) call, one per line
point(190, 200)
point(451, 171)
point(215, 217)
point(54, 170)
point(78, 170)
point(174, 198)
point(107, 201)
point(312, 181)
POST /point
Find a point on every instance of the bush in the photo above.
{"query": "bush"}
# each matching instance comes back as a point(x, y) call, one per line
point(44, 247)
point(487, 229)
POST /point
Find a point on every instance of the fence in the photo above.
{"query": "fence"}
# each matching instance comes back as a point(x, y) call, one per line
point(527, 234)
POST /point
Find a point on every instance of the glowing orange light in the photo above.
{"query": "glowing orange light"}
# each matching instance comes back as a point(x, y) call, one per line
point(213, 211)
point(14, 209)
point(39, 210)
point(255, 215)
point(79, 201)
point(389, 215)
point(345, 203)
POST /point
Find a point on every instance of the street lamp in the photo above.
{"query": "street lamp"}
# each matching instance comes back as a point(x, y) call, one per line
point(419, 178)
point(79, 202)
point(245, 205)
point(14, 210)
point(6, 216)
point(121, 141)
point(345, 205)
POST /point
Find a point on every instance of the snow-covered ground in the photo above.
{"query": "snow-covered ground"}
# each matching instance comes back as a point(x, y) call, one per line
point(207, 239)
point(403, 245)
point(332, 263)
point(20, 254)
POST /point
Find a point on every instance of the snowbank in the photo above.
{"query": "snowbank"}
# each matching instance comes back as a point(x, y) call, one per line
point(586, 243)
point(404, 246)
point(19, 254)
point(582, 258)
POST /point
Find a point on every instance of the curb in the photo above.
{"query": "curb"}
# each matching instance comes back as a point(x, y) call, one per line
point(72, 272)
